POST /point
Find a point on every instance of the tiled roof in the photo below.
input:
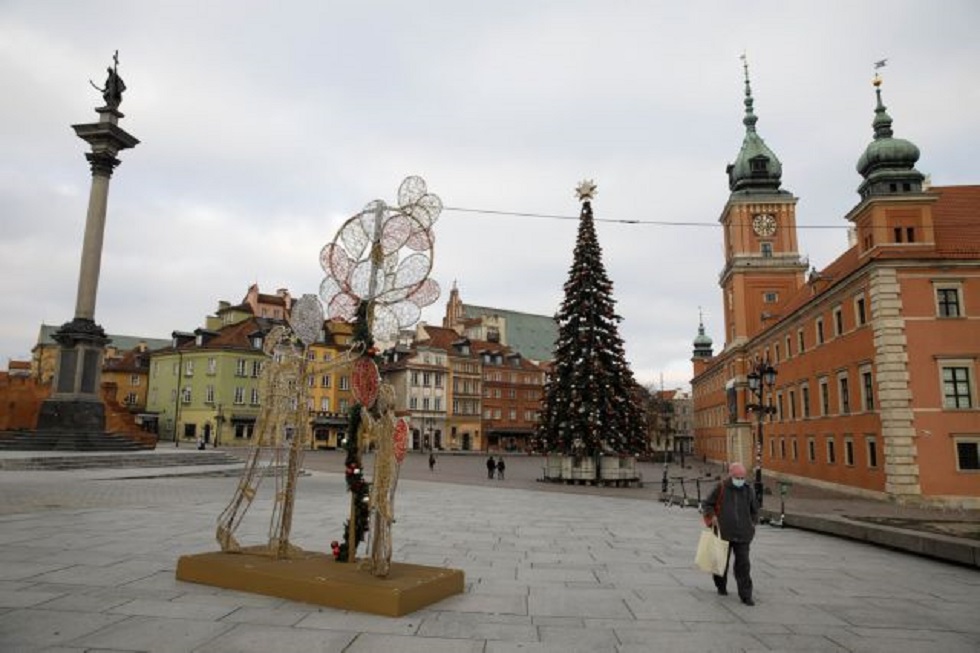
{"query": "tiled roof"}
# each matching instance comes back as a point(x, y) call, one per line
point(130, 361)
point(532, 335)
point(441, 338)
point(231, 337)
point(120, 342)
point(272, 299)
point(957, 220)
point(239, 307)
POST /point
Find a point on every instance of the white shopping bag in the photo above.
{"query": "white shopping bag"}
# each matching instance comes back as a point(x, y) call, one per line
point(712, 554)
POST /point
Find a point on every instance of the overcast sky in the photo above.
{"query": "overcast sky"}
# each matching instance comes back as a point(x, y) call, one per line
point(264, 125)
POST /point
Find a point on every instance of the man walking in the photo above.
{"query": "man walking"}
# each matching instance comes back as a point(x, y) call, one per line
point(733, 508)
point(491, 467)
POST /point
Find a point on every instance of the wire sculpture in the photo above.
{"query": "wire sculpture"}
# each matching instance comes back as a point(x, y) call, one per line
point(282, 428)
point(379, 259)
point(383, 255)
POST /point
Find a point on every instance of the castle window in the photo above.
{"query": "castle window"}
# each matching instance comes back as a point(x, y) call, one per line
point(824, 397)
point(957, 385)
point(948, 301)
point(767, 250)
point(910, 234)
point(967, 454)
point(844, 397)
point(862, 317)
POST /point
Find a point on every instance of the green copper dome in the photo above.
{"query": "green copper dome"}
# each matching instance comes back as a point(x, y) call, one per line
point(756, 168)
point(888, 163)
point(702, 343)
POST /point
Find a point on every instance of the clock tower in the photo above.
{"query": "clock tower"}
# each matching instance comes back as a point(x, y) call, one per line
point(762, 269)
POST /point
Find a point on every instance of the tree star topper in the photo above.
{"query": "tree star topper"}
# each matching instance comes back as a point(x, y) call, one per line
point(586, 190)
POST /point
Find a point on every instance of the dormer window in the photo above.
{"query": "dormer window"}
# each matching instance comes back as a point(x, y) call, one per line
point(759, 165)
point(257, 342)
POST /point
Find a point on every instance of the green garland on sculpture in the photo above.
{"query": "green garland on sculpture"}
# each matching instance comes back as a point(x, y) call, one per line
point(353, 469)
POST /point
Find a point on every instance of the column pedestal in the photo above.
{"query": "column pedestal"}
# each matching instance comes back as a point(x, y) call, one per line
point(76, 404)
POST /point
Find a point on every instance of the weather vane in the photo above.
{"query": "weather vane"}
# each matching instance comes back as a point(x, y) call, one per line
point(881, 63)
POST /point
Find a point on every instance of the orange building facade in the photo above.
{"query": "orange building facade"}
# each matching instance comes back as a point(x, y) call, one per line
point(877, 355)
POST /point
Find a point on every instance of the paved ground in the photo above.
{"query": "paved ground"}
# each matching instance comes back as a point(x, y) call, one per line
point(87, 562)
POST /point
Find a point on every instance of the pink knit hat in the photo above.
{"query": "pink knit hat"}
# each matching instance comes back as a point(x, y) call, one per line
point(737, 469)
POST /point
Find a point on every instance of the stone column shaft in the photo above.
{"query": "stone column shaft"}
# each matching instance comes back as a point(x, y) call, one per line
point(88, 274)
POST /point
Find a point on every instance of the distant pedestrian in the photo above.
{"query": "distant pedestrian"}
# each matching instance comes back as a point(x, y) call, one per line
point(733, 508)
point(200, 444)
point(500, 469)
point(432, 461)
point(491, 467)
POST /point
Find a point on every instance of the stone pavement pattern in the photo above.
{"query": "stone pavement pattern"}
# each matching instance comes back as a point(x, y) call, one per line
point(87, 562)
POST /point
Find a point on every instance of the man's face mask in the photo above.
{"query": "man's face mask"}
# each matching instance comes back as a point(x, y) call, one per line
point(738, 482)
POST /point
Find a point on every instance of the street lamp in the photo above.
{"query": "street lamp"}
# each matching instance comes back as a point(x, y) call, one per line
point(761, 378)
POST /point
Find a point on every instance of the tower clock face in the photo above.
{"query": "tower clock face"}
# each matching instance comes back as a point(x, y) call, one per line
point(764, 224)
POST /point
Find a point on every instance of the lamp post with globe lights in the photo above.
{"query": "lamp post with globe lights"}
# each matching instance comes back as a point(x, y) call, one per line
point(762, 378)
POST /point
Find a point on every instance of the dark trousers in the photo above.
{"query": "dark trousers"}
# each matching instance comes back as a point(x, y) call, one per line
point(743, 568)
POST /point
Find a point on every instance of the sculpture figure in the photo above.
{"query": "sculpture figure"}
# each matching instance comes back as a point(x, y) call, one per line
point(114, 85)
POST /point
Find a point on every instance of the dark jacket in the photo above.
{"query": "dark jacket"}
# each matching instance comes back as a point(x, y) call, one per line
point(738, 511)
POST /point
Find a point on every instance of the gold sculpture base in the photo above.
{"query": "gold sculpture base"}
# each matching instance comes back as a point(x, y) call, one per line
point(314, 577)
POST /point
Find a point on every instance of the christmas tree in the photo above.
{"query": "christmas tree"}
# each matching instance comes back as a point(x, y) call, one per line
point(590, 404)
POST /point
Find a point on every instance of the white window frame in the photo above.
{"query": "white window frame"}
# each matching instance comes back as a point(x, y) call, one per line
point(838, 318)
point(860, 310)
point(959, 363)
point(824, 384)
point(843, 398)
point(957, 287)
point(871, 444)
point(849, 451)
point(965, 439)
point(867, 403)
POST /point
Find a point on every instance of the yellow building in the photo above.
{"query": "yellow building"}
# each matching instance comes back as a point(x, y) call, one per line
point(330, 395)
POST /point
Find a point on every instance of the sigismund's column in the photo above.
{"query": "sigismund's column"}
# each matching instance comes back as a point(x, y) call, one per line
point(75, 403)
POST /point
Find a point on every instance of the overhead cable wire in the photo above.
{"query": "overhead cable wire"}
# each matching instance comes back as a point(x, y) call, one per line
point(658, 223)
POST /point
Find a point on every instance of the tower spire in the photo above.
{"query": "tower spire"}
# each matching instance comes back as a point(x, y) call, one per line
point(887, 163)
point(756, 168)
point(750, 118)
